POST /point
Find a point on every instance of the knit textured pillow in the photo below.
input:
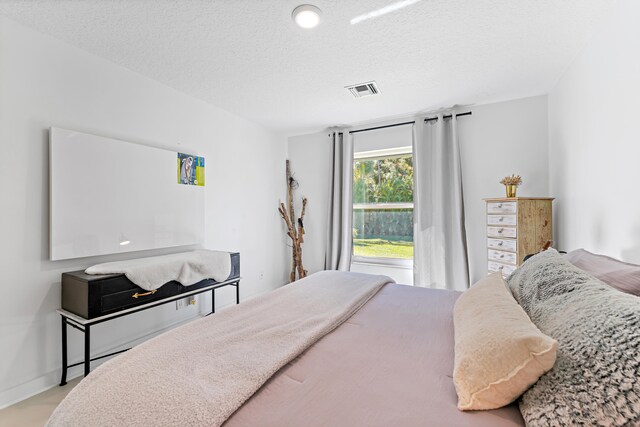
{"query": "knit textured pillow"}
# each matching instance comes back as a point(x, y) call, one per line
point(596, 378)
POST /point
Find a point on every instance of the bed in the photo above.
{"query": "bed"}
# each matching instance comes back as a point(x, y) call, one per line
point(389, 362)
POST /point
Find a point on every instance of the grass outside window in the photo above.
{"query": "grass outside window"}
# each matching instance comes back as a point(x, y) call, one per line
point(384, 247)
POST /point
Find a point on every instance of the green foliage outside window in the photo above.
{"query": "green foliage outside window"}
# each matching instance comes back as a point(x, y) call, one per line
point(386, 180)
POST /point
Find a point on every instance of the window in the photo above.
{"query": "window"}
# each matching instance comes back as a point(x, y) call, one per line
point(383, 206)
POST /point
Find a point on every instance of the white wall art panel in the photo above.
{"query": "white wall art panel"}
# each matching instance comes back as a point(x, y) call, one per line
point(110, 196)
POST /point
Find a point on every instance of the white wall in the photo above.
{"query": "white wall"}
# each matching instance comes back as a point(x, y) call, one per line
point(594, 141)
point(497, 140)
point(382, 139)
point(310, 156)
point(43, 83)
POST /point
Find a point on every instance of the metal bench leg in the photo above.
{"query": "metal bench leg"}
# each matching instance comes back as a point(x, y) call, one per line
point(87, 350)
point(63, 379)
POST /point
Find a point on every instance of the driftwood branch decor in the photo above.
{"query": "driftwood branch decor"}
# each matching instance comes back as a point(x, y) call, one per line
point(295, 228)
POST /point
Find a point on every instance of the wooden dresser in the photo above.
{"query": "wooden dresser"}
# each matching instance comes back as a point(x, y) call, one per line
point(516, 227)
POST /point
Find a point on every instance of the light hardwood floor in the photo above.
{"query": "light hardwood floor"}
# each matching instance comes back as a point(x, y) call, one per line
point(35, 411)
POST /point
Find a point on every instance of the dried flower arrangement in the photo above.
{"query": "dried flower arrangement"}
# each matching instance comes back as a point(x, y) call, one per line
point(511, 180)
point(511, 184)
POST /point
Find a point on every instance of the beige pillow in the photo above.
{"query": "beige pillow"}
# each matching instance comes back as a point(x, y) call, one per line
point(499, 352)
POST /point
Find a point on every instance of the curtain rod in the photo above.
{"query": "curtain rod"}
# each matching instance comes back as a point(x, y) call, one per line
point(382, 127)
point(468, 113)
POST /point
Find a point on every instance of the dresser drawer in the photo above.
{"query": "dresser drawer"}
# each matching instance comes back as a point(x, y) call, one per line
point(501, 232)
point(503, 244)
point(501, 220)
point(504, 268)
point(502, 256)
point(132, 298)
point(502, 207)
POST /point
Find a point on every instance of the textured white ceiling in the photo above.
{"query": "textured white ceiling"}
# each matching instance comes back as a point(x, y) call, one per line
point(247, 56)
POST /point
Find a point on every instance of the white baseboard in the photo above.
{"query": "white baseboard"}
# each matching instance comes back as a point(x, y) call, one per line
point(28, 389)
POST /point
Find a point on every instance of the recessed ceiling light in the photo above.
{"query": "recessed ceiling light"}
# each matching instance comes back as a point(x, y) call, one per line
point(306, 16)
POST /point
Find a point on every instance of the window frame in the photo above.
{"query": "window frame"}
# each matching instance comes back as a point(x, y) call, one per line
point(388, 153)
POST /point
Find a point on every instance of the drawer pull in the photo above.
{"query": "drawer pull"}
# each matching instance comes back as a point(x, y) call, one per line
point(500, 243)
point(137, 295)
point(500, 230)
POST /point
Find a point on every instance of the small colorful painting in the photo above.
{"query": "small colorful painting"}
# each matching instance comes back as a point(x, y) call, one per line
point(190, 169)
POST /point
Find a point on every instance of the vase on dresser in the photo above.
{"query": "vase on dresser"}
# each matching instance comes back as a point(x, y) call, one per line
point(511, 190)
point(516, 227)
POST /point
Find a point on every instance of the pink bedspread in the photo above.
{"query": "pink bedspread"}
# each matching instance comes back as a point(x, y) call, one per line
point(390, 364)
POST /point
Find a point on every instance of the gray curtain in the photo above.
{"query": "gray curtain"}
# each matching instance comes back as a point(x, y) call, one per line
point(440, 244)
point(340, 229)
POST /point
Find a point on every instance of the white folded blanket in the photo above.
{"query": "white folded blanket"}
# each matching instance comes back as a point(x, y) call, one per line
point(198, 374)
point(187, 268)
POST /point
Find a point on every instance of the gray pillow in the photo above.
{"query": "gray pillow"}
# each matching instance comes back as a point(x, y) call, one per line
point(596, 378)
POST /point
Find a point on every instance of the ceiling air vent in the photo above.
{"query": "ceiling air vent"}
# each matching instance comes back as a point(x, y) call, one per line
point(363, 89)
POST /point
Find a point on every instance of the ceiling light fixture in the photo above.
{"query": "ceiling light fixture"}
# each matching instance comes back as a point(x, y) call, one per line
point(306, 16)
point(383, 11)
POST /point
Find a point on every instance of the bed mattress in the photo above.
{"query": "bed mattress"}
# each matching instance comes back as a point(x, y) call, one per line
point(391, 363)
